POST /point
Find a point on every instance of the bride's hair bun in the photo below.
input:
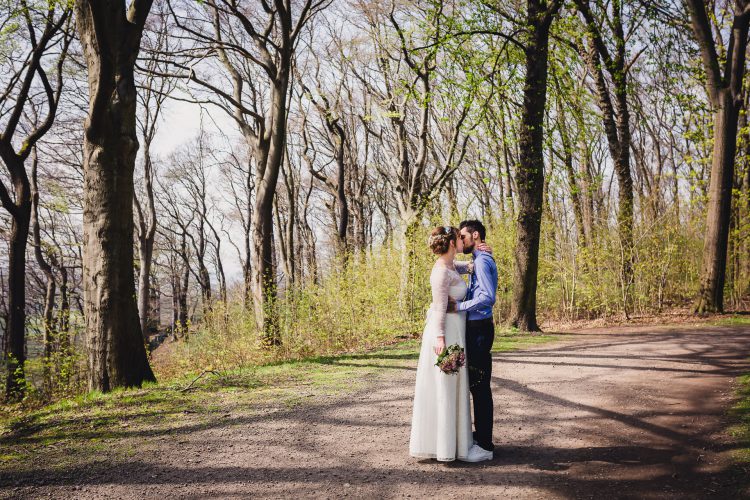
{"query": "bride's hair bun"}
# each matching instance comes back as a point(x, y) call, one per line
point(440, 239)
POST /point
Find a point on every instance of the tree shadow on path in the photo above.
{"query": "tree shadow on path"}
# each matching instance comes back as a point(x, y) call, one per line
point(603, 450)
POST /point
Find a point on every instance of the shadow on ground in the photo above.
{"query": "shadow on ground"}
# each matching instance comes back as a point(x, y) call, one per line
point(669, 460)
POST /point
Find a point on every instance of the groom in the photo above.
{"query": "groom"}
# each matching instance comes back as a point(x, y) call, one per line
point(480, 334)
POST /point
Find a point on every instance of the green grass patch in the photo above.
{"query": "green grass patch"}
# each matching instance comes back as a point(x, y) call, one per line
point(94, 425)
point(741, 413)
point(509, 341)
point(734, 320)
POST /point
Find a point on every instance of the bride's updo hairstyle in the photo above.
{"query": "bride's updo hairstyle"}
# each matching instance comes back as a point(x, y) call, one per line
point(440, 239)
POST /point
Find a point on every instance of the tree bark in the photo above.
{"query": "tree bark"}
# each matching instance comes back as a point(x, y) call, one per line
point(530, 172)
point(20, 208)
point(725, 94)
point(263, 124)
point(337, 137)
point(63, 317)
point(146, 235)
point(616, 120)
point(111, 41)
point(268, 161)
point(50, 285)
point(145, 257)
point(16, 338)
point(744, 196)
point(588, 190)
point(181, 283)
point(715, 243)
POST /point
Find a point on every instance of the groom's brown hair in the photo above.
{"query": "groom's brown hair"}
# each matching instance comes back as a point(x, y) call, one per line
point(474, 225)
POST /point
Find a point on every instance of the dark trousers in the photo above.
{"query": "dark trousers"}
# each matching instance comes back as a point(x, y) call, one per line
point(480, 334)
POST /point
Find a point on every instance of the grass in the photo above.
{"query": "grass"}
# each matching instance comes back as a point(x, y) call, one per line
point(741, 410)
point(112, 426)
point(734, 320)
point(741, 413)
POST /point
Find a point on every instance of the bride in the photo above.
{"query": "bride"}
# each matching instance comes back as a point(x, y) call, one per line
point(441, 420)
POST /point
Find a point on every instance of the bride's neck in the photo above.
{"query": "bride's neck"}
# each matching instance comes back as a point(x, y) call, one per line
point(447, 258)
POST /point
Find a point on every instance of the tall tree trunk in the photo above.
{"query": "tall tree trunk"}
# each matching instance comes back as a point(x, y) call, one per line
point(204, 280)
point(16, 338)
point(174, 281)
point(220, 275)
point(575, 196)
point(182, 283)
point(247, 271)
point(530, 172)
point(146, 235)
point(616, 120)
point(409, 229)
point(588, 190)
point(182, 300)
point(111, 41)
point(288, 238)
point(733, 266)
point(269, 145)
point(744, 204)
point(713, 268)
point(63, 317)
point(50, 285)
point(270, 156)
point(145, 252)
point(725, 93)
point(675, 181)
point(342, 201)
point(264, 272)
point(507, 161)
point(360, 222)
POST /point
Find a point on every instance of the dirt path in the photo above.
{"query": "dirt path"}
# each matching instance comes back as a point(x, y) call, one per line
point(618, 414)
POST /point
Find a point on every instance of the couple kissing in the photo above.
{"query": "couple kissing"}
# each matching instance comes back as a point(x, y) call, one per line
point(459, 320)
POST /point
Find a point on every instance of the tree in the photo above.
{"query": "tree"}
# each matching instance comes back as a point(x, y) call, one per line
point(111, 35)
point(154, 91)
point(530, 172)
point(26, 78)
point(45, 266)
point(724, 88)
point(188, 205)
point(337, 137)
point(406, 86)
point(615, 115)
point(335, 146)
point(254, 48)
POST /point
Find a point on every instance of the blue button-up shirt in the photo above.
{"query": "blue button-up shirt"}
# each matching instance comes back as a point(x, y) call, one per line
point(480, 296)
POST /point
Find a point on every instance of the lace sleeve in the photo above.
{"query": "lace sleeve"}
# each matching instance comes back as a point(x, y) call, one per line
point(440, 282)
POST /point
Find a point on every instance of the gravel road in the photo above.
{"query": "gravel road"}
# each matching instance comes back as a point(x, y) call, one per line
point(615, 413)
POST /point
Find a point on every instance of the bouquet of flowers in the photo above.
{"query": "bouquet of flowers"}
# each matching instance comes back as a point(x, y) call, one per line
point(451, 359)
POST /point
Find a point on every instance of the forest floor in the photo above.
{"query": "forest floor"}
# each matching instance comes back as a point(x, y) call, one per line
point(618, 412)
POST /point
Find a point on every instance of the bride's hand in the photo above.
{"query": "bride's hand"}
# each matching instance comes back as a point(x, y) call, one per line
point(484, 247)
point(439, 345)
point(452, 305)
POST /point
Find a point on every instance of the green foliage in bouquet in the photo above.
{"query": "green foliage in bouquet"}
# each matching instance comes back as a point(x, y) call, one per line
point(451, 359)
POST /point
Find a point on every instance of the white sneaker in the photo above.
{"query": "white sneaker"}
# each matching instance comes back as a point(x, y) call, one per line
point(477, 454)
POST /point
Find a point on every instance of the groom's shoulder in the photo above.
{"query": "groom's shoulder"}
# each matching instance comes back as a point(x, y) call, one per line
point(486, 258)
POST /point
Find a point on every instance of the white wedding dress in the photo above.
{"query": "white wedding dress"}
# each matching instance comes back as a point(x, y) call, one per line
point(441, 419)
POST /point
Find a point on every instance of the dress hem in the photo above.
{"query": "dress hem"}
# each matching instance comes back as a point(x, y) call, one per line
point(432, 455)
